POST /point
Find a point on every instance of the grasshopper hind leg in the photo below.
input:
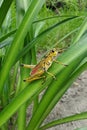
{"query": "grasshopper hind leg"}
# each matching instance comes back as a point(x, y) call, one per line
point(30, 79)
point(27, 66)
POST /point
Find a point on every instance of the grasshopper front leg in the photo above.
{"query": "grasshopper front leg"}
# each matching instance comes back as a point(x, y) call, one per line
point(56, 61)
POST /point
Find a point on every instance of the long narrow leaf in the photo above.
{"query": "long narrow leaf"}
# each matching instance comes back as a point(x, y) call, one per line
point(34, 88)
point(75, 117)
point(28, 93)
point(43, 34)
point(6, 42)
point(84, 128)
point(4, 9)
point(18, 40)
point(51, 94)
point(56, 16)
point(7, 35)
point(83, 28)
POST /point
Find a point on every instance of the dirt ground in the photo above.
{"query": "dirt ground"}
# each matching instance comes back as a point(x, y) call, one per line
point(74, 101)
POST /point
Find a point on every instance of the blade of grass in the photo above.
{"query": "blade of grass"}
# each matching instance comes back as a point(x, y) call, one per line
point(4, 9)
point(76, 116)
point(57, 16)
point(41, 35)
point(50, 97)
point(24, 73)
point(6, 42)
point(34, 61)
point(83, 128)
point(7, 35)
point(35, 87)
point(67, 35)
point(12, 32)
point(19, 37)
point(83, 28)
point(28, 93)
point(13, 15)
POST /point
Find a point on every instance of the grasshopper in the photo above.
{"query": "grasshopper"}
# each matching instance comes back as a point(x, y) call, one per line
point(42, 67)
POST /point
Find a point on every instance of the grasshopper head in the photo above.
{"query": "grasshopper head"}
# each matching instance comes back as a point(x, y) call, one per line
point(54, 52)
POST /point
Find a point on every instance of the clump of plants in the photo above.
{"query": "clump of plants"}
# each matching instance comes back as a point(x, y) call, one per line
point(21, 28)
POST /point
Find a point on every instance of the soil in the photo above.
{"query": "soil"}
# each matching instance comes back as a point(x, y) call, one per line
point(73, 101)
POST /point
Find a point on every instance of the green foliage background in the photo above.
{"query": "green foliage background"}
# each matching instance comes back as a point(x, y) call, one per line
point(27, 29)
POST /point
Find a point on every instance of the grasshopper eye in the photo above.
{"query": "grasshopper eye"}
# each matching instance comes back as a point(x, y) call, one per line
point(53, 51)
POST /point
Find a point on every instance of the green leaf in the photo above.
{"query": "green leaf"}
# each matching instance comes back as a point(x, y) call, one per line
point(8, 41)
point(80, 116)
point(84, 128)
point(4, 37)
point(19, 38)
point(58, 87)
point(51, 96)
point(67, 119)
point(4, 9)
point(83, 28)
point(42, 35)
